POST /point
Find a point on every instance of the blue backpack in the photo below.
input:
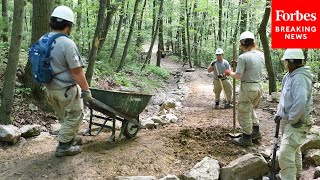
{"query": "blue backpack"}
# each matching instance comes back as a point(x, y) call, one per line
point(39, 56)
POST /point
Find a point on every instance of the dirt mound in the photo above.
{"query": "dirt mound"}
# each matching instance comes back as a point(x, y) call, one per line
point(193, 144)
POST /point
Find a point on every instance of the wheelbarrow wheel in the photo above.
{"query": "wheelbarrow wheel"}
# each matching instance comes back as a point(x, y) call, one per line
point(131, 130)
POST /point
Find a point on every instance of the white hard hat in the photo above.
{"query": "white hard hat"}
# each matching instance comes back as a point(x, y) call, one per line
point(219, 51)
point(63, 12)
point(246, 35)
point(293, 54)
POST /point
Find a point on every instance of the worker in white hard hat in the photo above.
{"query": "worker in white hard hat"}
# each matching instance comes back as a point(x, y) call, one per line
point(294, 112)
point(68, 84)
point(220, 80)
point(249, 69)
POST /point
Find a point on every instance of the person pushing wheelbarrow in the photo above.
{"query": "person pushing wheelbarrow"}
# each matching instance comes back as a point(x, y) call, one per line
point(220, 82)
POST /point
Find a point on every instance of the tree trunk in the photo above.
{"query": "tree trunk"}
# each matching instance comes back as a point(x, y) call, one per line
point(243, 19)
point(107, 23)
point(88, 25)
point(160, 43)
point(195, 36)
point(5, 22)
point(153, 38)
point(139, 39)
point(126, 47)
point(244, 16)
point(188, 34)
point(116, 41)
point(40, 25)
point(177, 48)
point(236, 28)
point(220, 23)
point(96, 40)
point(79, 16)
point(154, 17)
point(266, 48)
point(11, 69)
point(170, 43)
point(183, 32)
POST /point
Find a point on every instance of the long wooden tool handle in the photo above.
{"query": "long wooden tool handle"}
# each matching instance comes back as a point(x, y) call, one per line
point(234, 56)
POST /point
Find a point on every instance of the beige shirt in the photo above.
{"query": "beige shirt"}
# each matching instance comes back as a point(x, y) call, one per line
point(65, 56)
point(250, 65)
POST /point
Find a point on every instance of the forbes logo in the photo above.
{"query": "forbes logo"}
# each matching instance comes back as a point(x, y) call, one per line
point(281, 15)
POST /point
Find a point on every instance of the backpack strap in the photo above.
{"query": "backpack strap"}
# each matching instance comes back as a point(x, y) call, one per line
point(50, 41)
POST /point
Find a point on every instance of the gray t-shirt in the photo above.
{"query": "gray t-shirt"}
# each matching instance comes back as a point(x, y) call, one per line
point(65, 56)
point(222, 67)
point(250, 65)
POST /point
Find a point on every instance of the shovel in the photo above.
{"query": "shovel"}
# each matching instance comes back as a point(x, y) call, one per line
point(234, 134)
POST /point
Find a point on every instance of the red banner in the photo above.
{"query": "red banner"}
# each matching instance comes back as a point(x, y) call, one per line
point(295, 24)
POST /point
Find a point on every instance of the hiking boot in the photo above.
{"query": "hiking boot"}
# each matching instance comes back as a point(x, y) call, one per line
point(228, 105)
point(216, 105)
point(256, 135)
point(277, 177)
point(67, 149)
point(244, 141)
point(76, 141)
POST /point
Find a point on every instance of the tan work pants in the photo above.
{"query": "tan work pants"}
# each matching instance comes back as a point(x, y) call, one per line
point(69, 108)
point(249, 99)
point(290, 157)
point(217, 89)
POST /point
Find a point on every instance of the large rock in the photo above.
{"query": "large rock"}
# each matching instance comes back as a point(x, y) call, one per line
point(249, 166)
point(312, 141)
point(157, 119)
point(169, 177)
point(312, 157)
point(9, 133)
point(149, 124)
point(135, 178)
point(207, 169)
point(55, 128)
point(169, 118)
point(169, 103)
point(316, 172)
point(30, 130)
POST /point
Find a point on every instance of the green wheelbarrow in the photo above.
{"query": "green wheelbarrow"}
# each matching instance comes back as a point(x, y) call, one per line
point(117, 105)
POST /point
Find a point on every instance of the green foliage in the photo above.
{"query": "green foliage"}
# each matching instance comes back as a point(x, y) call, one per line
point(207, 55)
point(164, 74)
point(315, 69)
point(122, 79)
point(315, 66)
point(132, 77)
point(23, 91)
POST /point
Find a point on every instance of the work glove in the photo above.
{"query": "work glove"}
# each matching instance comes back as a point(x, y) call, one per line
point(227, 72)
point(297, 125)
point(221, 76)
point(277, 119)
point(213, 63)
point(86, 95)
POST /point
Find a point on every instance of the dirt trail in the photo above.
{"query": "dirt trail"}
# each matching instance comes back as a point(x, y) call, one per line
point(174, 149)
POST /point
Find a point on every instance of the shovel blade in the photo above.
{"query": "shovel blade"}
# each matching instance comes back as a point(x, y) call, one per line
point(235, 135)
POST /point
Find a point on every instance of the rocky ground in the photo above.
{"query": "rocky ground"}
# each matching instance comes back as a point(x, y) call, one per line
point(173, 149)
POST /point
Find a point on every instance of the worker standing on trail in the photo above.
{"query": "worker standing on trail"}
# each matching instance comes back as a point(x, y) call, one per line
point(294, 111)
point(249, 70)
point(69, 87)
point(220, 82)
